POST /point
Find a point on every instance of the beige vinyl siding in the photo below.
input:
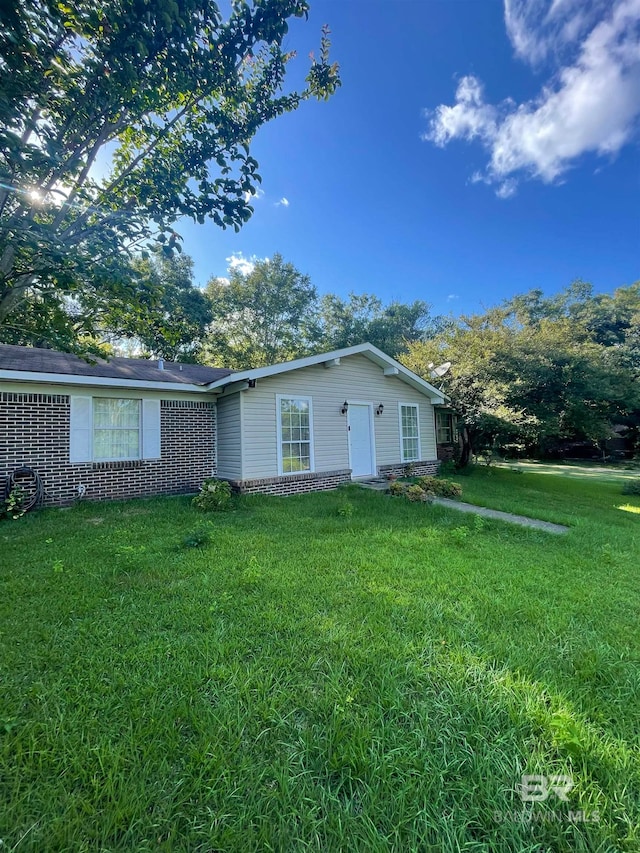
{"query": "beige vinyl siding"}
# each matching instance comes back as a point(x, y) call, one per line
point(356, 379)
point(230, 437)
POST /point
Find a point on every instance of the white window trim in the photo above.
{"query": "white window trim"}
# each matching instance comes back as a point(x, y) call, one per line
point(140, 431)
point(415, 406)
point(450, 427)
point(312, 462)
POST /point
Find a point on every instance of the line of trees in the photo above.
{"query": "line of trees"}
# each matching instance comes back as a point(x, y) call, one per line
point(526, 376)
point(537, 372)
point(273, 313)
point(255, 317)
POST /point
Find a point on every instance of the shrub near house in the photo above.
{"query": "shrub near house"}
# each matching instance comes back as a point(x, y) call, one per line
point(425, 489)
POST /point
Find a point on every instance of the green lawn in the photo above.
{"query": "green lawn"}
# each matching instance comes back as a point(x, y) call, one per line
point(320, 679)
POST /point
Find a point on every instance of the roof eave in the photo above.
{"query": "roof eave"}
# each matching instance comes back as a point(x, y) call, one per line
point(100, 381)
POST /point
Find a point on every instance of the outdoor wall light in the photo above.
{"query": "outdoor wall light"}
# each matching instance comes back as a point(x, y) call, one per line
point(345, 408)
point(380, 409)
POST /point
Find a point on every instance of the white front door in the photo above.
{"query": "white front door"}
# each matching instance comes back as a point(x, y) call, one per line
point(360, 426)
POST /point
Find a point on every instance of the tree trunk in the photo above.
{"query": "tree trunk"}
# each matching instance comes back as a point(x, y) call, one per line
point(466, 447)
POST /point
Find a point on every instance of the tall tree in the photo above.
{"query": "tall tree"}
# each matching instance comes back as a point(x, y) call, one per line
point(175, 323)
point(345, 322)
point(363, 317)
point(476, 394)
point(260, 317)
point(163, 99)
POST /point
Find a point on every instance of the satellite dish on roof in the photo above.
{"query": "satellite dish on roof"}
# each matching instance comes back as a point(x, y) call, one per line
point(440, 370)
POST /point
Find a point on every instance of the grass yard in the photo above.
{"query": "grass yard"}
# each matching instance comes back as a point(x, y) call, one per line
point(334, 672)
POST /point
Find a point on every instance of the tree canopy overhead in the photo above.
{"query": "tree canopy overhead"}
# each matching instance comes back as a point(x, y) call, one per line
point(116, 120)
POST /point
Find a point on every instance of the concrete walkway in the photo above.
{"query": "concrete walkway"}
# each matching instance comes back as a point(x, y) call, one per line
point(380, 484)
point(502, 516)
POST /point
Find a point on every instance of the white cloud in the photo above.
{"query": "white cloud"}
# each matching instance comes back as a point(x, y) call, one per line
point(589, 105)
point(470, 118)
point(245, 266)
point(452, 296)
point(284, 202)
point(507, 188)
point(237, 261)
point(255, 196)
point(540, 28)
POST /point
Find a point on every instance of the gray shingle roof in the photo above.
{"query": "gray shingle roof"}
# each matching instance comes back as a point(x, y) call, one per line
point(140, 369)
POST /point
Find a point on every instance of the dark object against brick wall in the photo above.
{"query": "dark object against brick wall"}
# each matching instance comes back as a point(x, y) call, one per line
point(34, 431)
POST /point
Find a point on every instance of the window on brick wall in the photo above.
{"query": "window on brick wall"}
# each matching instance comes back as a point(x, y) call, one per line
point(295, 434)
point(110, 429)
point(116, 429)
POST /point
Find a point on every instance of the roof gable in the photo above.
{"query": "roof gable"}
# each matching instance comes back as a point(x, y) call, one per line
point(389, 366)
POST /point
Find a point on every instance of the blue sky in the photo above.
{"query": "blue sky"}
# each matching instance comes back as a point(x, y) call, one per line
point(474, 151)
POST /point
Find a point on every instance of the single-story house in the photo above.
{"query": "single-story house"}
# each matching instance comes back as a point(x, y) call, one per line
point(129, 427)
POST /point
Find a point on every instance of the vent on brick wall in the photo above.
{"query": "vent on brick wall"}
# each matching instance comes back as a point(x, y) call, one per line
point(47, 399)
point(127, 465)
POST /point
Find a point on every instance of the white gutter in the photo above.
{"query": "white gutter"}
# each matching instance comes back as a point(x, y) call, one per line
point(101, 381)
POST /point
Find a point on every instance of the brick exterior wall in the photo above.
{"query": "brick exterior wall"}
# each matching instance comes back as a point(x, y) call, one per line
point(423, 468)
point(34, 431)
point(293, 484)
point(446, 452)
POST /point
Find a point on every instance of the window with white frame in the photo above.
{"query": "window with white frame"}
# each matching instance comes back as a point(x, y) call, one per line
point(116, 429)
point(410, 432)
point(295, 437)
point(444, 427)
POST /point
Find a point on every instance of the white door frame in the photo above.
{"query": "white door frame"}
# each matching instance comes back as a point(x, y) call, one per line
point(372, 435)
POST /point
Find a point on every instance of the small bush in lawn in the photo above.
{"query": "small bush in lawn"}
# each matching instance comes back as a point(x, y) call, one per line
point(197, 539)
point(631, 487)
point(215, 496)
point(345, 510)
point(459, 534)
point(440, 488)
